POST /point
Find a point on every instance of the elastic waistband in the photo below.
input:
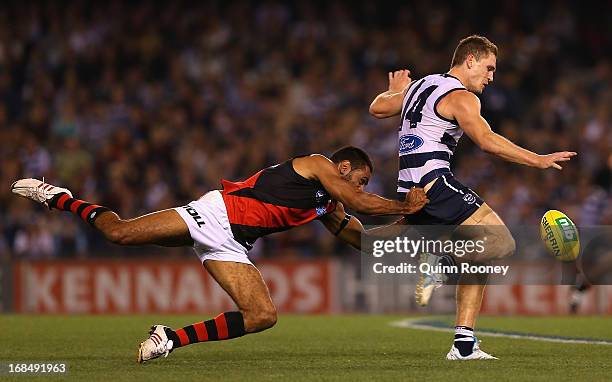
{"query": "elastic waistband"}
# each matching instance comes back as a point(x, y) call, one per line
point(433, 174)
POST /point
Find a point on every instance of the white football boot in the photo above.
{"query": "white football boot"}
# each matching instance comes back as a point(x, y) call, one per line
point(156, 345)
point(37, 190)
point(428, 282)
point(455, 355)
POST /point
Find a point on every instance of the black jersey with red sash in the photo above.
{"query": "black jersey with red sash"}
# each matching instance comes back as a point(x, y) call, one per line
point(275, 199)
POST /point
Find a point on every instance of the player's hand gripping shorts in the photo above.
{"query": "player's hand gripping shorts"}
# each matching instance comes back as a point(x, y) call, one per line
point(450, 203)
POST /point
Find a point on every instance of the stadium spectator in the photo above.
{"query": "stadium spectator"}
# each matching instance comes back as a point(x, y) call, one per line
point(161, 100)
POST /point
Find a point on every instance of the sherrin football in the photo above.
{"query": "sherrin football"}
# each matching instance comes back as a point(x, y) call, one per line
point(560, 235)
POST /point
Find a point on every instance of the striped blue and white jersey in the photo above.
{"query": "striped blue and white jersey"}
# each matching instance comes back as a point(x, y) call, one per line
point(427, 140)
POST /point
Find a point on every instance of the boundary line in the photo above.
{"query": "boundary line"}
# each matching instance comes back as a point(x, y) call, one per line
point(439, 326)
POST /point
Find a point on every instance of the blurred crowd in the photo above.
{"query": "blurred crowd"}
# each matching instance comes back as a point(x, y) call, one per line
point(146, 106)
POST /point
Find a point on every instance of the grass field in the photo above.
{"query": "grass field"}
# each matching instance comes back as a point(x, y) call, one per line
point(300, 348)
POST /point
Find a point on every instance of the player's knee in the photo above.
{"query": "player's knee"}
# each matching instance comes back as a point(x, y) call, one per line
point(267, 317)
point(504, 246)
point(261, 319)
point(510, 246)
point(118, 234)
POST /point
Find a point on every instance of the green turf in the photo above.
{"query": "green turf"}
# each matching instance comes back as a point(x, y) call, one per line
point(577, 327)
point(300, 348)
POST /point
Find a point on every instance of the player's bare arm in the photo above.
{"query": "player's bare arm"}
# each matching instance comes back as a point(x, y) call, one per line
point(464, 107)
point(350, 230)
point(318, 167)
point(389, 103)
point(346, 227)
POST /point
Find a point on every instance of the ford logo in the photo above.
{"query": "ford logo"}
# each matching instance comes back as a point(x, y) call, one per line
point(408, 143)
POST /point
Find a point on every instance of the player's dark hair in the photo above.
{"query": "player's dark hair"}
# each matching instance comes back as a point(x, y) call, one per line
point(356, 156)
point(478, 46)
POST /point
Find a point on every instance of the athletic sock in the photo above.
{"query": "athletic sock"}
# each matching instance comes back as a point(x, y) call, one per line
point(225, 326)
point(86, 211)
point(464, 340)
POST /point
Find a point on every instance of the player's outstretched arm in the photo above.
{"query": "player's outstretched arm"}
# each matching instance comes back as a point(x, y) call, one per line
point(346, 227)
point(465, 108)
point(325, 171)
point(389, 103)
point(350, 230)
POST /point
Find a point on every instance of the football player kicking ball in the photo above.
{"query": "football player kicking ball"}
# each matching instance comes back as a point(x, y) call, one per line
point(434, 112)
point(222, 226)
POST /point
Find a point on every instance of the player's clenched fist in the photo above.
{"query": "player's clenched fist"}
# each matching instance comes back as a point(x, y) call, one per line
point(416, 199)
point(399, 80)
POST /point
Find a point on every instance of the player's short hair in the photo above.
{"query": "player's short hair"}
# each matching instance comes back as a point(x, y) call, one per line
point(356, 156)
point(478, 46)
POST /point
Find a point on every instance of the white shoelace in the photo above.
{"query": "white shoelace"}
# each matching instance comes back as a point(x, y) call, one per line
point(165, 348)
point(39, 193)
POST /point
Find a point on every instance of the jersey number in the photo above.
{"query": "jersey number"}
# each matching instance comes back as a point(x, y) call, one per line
point(415, 114)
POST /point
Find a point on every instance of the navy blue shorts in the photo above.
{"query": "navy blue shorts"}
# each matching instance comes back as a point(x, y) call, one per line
point(450, 203)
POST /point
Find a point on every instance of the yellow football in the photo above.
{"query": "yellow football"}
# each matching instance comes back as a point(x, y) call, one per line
point(560, 235)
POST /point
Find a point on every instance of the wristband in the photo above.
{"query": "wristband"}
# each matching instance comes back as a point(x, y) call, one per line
point(343, 223)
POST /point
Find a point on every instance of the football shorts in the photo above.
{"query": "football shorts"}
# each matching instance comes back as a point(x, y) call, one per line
point(450, 203)
point(210, 230)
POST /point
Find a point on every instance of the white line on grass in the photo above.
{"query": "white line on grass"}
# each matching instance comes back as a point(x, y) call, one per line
point(424, 324)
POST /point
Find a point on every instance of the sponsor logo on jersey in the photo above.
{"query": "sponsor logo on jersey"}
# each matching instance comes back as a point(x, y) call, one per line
point(408, 143)
point(321, 210)
point(320, 196)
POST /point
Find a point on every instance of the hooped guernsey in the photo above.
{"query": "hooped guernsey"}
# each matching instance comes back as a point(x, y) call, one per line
point(427, 140)
point(275, 199)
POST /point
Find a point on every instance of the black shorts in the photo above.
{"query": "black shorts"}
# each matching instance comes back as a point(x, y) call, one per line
point(450, 203)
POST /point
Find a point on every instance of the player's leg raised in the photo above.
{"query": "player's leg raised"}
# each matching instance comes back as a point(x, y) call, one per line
point(165, 228)
point(485, 222)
